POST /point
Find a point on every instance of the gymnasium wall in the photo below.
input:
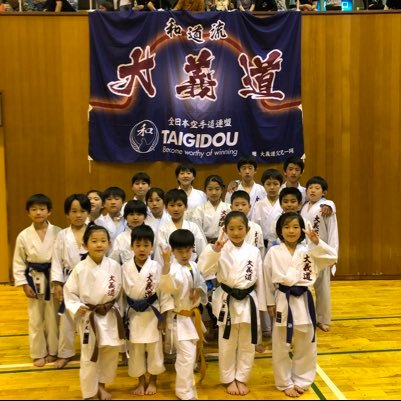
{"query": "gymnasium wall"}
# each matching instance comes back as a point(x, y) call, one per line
point(351, 64)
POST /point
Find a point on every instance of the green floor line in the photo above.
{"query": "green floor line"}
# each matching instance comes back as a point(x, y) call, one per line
point(38, 370)
point(360, 351)
point(318, 392)
point(366, 318)
point(13, 335)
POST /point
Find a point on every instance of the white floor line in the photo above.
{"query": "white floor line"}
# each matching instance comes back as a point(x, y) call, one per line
point(30, 365)
point(330, 384)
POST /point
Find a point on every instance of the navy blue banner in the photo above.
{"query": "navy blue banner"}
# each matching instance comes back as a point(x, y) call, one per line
point(201, 87)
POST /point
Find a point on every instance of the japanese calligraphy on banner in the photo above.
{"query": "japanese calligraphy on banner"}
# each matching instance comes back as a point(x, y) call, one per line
point(201, 87)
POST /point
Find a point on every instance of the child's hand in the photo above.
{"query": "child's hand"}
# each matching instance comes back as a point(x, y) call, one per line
point(161, 325)
point(166, 253)
point(83, 309)
point(311, 234)
point(218, 245)
point(271, 310)
point(232, 186)
point(326, 211)
point(29, 292)
point(58, 292)
point(194, 295)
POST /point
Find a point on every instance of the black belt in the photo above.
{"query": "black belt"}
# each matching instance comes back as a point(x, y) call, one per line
point(39, 267)
point(296, 291)
point(240, 295)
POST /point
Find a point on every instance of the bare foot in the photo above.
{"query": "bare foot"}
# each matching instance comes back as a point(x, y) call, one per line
point(102, 393)
point(260, 348)
point(152, 386)
point(51, 358)
point(61, 362)
point(39, 362)
point(323, 326)
point(299, 390)
point(140, 388)
point(291, 392)
point(232, 388)
point(242, 388)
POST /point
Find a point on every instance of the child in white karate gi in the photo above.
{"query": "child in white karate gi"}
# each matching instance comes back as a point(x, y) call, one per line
point(68, 251)
point(237, 301)
point(246, 167)
point(31, 268)
point(210, 218)
point(291, 269)
point(181, 278)
point(157, 213)
point(113, 218)
point(147, 307)
point(90, 294)
point(96, 199)
point(326, 227)
point(185, 174)
point(135, 212)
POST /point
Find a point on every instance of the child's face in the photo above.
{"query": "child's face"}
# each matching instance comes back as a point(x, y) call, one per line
point(135, 219)
point(113, 205)
point(241, 205)
point(214, 192)
point(142, 249)
point(247, 172)
point(293, 173)
point(236, 231)
point(77, 215)
point(176, 210)
point(98, 244)
point(156, 204)
point(290, 203)
point(182, 255)
point(139, 188)
point(291, 231)
point(96, 202)
point(185, 177)
point(272, 188)
point(38, 213)
point(315, 192)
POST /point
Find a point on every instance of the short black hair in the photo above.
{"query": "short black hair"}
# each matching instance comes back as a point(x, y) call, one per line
point(152, 191)
point(285, 217)
point(247, 160)
point(90, 229)
point(38, 199)
point(82, 199)
point(319, 181)
point(233, 214)
point(214, 178)
point(294, 160)
point(115, 192)
point(142, 232)
point(240, 194)
point(273, 174)
point(184, 167)
point(181, 238)
point(141, 176)
point(174, 195)
point(135, 206)
point(290, 191)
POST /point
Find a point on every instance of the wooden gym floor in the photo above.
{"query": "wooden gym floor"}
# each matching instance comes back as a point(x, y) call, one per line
point(358, 359)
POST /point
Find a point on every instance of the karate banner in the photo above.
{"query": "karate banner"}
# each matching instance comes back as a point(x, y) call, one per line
point(204, 87)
